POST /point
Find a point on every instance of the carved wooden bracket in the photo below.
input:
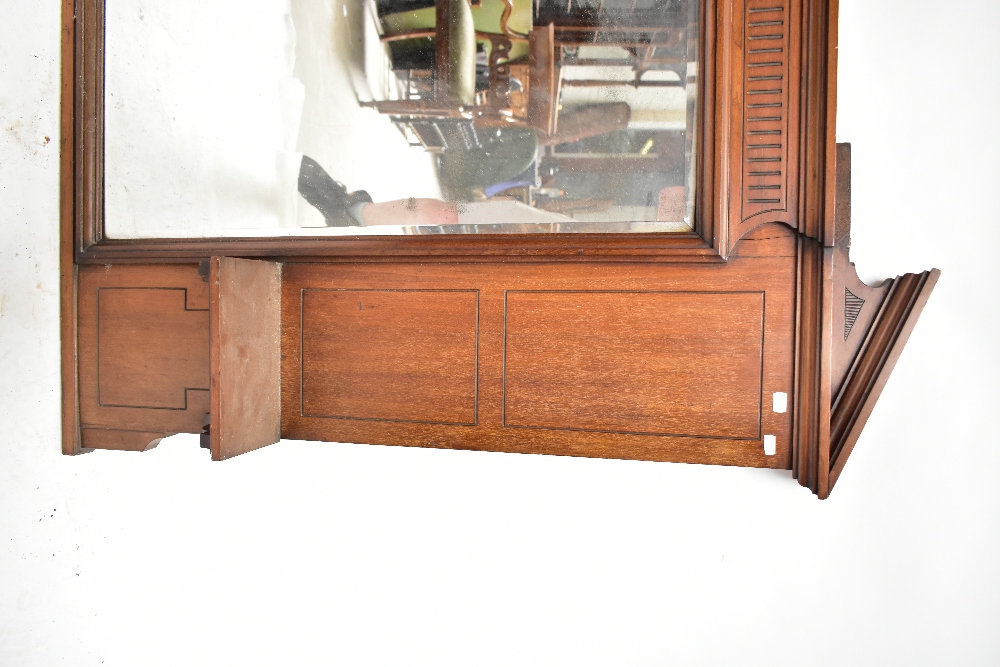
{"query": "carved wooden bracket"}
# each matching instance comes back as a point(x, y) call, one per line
point(850, 337)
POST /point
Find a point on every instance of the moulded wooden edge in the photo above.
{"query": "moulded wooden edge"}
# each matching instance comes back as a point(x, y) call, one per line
point(70, 407)
point(812, 356)
point(818, 153)
point(120, 440)
point(878, 356)
point(679, 246)
point(831, 148)
point(83, 74)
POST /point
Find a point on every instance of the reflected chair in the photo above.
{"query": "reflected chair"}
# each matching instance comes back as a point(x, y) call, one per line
point(451, 92)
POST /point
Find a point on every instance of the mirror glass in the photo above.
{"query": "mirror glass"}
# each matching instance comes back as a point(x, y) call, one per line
point(348, 117)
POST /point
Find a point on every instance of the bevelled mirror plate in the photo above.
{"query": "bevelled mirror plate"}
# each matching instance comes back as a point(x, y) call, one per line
point(380, 117)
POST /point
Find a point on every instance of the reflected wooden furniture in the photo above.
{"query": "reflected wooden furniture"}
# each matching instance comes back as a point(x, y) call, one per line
point(537, 105)
point(543, 76)
point(455, 38)
point(747, 341)
point(629, 23)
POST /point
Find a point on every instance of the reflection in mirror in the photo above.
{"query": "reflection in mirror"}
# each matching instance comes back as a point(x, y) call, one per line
point(348, 117)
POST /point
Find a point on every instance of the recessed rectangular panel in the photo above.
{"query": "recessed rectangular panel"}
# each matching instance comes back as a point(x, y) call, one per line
point(151, 348)
point(399, 355)
point(143, 351)
point(668, 363)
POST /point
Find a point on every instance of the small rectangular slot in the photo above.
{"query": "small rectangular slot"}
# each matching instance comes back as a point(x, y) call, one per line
point(779, 402)
point(770, 445)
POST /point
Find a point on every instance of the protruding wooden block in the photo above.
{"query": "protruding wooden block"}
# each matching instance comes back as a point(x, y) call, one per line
point(246, 355)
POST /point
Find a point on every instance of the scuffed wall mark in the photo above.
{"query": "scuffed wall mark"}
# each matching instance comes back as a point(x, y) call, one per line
point(3, 302)
point(27, 136)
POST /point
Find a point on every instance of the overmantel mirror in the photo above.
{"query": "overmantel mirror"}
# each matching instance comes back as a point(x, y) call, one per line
point(613, 228)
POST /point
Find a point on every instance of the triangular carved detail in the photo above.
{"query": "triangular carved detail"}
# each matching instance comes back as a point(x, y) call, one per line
point(852, 306)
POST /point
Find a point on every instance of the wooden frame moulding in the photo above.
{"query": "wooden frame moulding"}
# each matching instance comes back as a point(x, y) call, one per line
point(769, 172)
point(84, 136)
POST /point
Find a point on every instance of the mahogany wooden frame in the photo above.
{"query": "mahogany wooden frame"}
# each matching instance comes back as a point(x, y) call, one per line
point(833, 388)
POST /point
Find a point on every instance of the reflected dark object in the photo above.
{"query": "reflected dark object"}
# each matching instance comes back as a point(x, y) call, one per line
point(330, 197)
point(386, 7)
point(417, 55)
point(502, 155)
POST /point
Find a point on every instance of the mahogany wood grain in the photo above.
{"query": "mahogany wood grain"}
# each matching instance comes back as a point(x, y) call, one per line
point(854, 306)
point(768, 240)
point(807, 402)
point(825, 399)
point(156, 323)
point(870, 371)
point(143, 348)
point(245, 329)
point(768, 115)
point(684, 247)
point(668, 363)
point(397, 355)
point(494, 283)
point(121, 440)
point(826, 55)
point(88, 126)
point(848, 337)
point(715, 90)
point(67, 233)
point(817, 152)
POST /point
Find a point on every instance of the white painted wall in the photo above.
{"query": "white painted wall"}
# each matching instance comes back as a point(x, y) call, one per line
point(319, 554)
